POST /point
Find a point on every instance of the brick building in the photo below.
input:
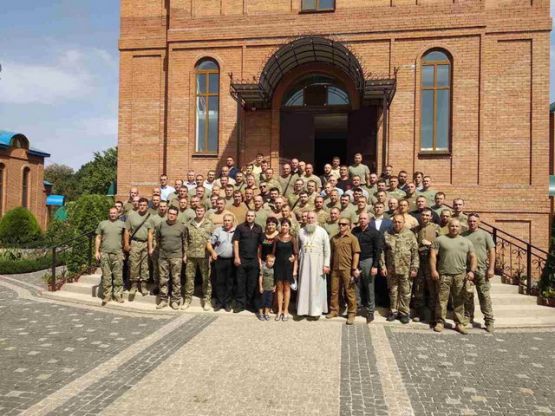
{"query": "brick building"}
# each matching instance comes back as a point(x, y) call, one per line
point(458, 89)
point(22, 176)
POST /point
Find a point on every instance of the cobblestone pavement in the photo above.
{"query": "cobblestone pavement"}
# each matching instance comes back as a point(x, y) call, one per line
point(45, 345)
point(507, 373)
point(66, 359)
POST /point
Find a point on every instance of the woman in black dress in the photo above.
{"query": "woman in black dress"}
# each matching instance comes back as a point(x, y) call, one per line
point(285, 268)
point(266, 243)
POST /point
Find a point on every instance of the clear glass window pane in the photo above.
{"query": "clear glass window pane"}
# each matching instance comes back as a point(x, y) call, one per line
point(201, 123)
point(435, 56)
point(201, 83)
point(296, 99)
point(442, 127)
point(213, 124)
point(327, 4)
point(337, 96)
point(213, 83)
point(309, 5)
point(208, 64)
point(427, 120)
point(443, 76)
point(428, 76)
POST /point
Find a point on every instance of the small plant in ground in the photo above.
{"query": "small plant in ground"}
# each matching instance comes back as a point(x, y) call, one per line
point(19, 227)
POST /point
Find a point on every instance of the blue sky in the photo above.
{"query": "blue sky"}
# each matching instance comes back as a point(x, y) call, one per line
point(59, 79)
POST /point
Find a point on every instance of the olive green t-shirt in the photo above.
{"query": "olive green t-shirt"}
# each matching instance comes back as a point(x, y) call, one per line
point(134, 220)
point(171, 238)
point(482, 242)
point(360, 170)
point(111, 233)
point(332, 228)
point(452, 254)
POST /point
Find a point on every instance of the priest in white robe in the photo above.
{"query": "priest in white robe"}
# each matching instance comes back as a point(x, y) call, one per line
point(314, 264)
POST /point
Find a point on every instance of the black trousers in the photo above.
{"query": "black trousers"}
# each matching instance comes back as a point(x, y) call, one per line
point(223, 281)
point(247, 282)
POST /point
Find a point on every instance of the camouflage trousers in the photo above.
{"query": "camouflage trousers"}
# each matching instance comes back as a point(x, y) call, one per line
point(483, 286)
point(399, 287)
point(112, 268)
point(138, 262)
point(170, 269)
point(423, 283)
point(155, 268)
point(451, 285)
point(203, 265)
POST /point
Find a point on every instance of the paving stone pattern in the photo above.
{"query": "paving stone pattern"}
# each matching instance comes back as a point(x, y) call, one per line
point(499, 374)
point(43, 346)
point(361, 390)
point(104, 392)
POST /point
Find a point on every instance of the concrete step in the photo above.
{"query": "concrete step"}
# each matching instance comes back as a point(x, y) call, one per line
point(93, 279)
point(509, 299)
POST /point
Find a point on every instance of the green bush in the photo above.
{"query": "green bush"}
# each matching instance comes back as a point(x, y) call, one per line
point(84, 216)
point(22, 265)
point(547, 282)
point(19, 227)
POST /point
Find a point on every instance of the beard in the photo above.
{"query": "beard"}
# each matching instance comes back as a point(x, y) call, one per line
point(310, 228)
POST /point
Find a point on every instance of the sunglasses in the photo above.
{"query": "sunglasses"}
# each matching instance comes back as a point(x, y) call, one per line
point(343, 224)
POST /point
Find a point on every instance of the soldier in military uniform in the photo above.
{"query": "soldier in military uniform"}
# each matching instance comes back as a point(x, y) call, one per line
point(485, 256)
point(185, 213)
point(426, 233)
point(331, 225)
point(128, 206)
point(261, 213)
point(152, 222)
point(137, 247)
point(399, 265)
point(108, 245)
point(199, 233)
point(452, 263)
point(171, 238)
point(394, 191)
point(321, 214)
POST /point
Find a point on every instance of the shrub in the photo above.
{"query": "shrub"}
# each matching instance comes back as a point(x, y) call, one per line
point(547, 282)
point(19, 227)
point(23, 265)
point(84, 216)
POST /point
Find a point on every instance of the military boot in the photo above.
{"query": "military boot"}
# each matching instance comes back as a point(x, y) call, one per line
point(132, 292)
point(490, 328)
point(106, 300)
point(350, 319)
point(461, 329)
point(162, 305)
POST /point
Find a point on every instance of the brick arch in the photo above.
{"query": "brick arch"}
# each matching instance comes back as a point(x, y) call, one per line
point(289, 81)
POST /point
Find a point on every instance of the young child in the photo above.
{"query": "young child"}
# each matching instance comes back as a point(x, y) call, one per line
point(267, 288)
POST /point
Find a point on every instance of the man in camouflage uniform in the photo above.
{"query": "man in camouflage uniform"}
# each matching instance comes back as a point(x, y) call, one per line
point(198, 236)
point(108, 245)
point(171, 237)
point(399, 265)
point(452, 263)
point(136, 246)
point(426, 233)
point(485, 255)
point(153, 222)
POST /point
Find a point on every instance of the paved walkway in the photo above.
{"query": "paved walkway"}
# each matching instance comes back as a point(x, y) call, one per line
point(68, 359)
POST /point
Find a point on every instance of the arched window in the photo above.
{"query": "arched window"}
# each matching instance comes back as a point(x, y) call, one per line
point(25, 187)
point(1, 189)
point(207, 74)
point(316, 91)
point(435, 108)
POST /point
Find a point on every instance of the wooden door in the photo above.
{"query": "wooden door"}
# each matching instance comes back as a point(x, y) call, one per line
point(297, 136)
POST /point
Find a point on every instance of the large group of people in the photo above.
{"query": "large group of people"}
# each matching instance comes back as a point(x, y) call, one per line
point(302, 243)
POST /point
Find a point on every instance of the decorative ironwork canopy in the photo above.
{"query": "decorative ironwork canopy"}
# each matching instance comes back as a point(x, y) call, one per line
point(306, 50)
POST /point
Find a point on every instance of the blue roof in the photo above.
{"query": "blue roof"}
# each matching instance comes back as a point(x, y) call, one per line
point(6, 138)
point(55, 200)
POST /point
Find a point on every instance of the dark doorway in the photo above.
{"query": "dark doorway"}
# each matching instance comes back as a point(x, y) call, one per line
point(318, 136)
point(330, 139)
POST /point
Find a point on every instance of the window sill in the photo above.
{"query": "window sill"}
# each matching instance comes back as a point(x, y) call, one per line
point(434, 154)
point(316, 11)
point(204, 154)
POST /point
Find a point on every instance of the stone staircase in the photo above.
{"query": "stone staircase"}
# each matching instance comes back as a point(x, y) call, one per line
point(511, 309)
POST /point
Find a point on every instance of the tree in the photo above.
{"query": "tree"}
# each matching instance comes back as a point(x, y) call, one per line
point(95, 176)
point(63, 180)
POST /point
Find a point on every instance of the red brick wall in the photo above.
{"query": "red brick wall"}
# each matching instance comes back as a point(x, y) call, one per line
point(500, 48)
point(14, 161)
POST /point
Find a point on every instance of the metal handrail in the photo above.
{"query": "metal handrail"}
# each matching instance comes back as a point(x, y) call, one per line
point(64, 246)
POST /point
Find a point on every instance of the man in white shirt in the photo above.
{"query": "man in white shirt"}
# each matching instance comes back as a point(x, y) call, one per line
point(165, 189)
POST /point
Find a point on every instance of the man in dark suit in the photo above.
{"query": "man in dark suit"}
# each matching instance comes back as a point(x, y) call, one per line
point(379, 222)
point(382, 224)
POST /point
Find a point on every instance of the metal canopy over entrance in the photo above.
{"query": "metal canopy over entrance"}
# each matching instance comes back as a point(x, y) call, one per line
point(307, 50)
